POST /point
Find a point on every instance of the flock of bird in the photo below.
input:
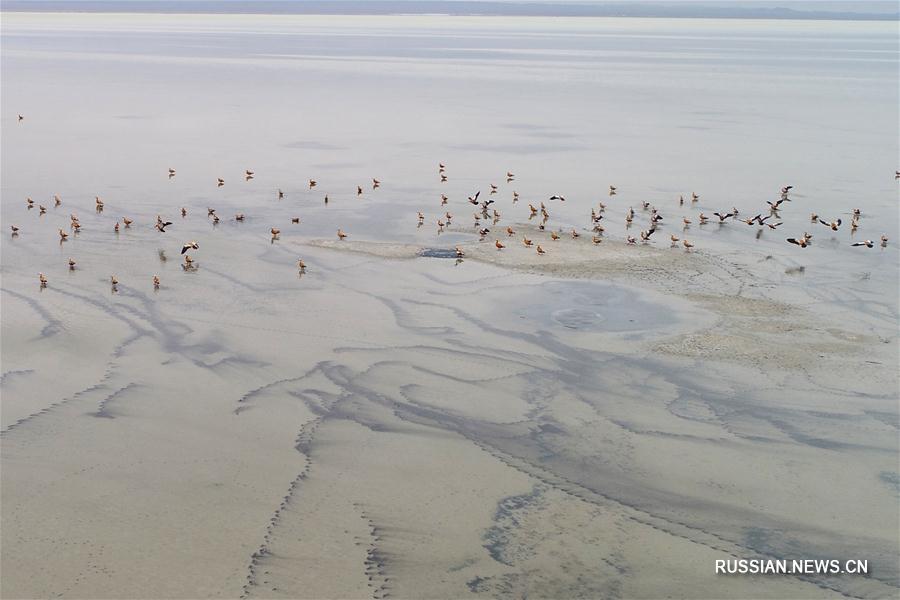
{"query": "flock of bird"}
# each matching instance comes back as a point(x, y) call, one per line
point(598, 229)
point(487, 216)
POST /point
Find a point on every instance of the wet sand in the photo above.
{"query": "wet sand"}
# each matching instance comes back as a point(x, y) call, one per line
point(603, 421)
point(408, 427)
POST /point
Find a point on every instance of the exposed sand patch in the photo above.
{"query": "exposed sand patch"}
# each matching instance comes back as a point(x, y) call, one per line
point(752, 329)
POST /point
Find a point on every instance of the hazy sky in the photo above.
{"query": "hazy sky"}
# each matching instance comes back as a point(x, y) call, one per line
point(715, 8)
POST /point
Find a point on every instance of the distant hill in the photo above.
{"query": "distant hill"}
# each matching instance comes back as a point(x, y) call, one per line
point(882, 10)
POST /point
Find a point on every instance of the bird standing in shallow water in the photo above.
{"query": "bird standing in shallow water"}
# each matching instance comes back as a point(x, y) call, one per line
point(341, 235)
point(156, 282)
